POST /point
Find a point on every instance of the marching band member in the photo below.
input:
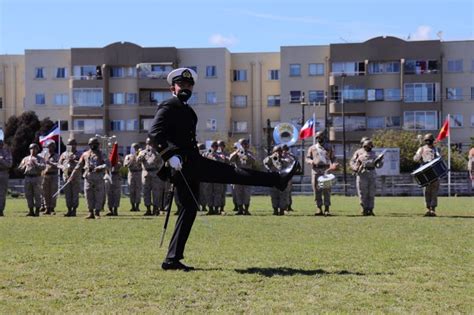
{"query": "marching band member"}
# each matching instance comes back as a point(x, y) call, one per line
point(364, 166)
point(287, 154)
point(242, 157)
point(321, 157)
point(32, 166)
point(426, 154)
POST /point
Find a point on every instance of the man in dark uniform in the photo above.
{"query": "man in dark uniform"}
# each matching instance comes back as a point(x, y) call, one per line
point(173, 132)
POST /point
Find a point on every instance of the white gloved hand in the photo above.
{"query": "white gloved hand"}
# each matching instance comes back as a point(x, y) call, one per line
point(175, 163)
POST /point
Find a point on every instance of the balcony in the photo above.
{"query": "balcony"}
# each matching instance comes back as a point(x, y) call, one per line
point(350, 108)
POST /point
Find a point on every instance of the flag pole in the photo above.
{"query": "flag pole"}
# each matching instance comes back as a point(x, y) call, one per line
point(59, 153)
point(314, 123)
point(449, 155)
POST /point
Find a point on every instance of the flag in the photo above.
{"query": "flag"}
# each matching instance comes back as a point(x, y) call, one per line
point(444, 132)
point(308, 129)
point(52, 135)
point(114, 157)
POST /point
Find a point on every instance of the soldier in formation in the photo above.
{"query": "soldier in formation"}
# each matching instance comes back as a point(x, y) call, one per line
point(320, 157)
point(134, 177)
point(275, 163)
point(67, 162)
point(113, 187)
point(364, 164)
point(153, 186)
point(5, 164)
point(242, 157)
point(32, 166)
point(426, 154)
point(215, 196)
point(94, 164)
point(50, 178)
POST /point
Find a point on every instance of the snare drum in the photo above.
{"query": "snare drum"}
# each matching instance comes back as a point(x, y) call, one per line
point(430, 172)
point(326, 181)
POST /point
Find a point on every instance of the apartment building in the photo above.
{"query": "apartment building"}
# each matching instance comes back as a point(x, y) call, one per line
point(12, 87)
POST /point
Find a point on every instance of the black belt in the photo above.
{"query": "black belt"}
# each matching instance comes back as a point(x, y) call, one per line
point(27, 175)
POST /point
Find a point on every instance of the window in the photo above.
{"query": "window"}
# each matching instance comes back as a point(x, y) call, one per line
point(239, 101)
point(420, 120)
point(161, 71)
point(211, 125)
point(88, 72)
point(239, 126)
point(419, 92)
point(384, 67)
point(211, 71)
point(352, 123)
point(117, 125)
point(211, 98)
point(353, 94)
point(295, 97)
point(295, 70)
point(87, 97)
point(274, 74)
point(315, 69)
point(375, 95)
point(40, 99)
point(64, 125)
point(160, 96)
point(350, 68)
point(240, 75)
point(117, 98)
point(273, 100)
point(39, 73)
point(117, 72)
point(454, 94)
point(420, 66)
point(455, 65)
point(89, 126)
point(132, 98)
point(61, 99)
point(194, 99)
point(316, 96)
point(375, 122)
point(145, 123)
point(131, 72)
point(392, 95)
point(61, 73)
point(392, 122)
point(131, 124)
point(456, 121)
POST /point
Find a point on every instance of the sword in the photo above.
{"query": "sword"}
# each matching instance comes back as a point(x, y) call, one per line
point(168, 211)
point(61, 188)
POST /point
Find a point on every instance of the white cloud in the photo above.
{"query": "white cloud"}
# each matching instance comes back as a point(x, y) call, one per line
point(221, 40)
point(423, 32)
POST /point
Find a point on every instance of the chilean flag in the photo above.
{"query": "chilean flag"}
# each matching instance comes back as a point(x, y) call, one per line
point(52, 135)
point(308, 129)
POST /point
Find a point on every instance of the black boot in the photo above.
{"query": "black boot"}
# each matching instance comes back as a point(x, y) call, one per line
point(156, 210)
point(115, 211)
point(1, 213)
point(68, 213)
point(246, 210)
point(111, 212)
point(37, 212)
point(137, 207)
point(319, 211)
point(326, 211)
point(31, 213)
point(97, 213)
point(240, 210)
point(148, 211)
point(73, 212)
point(91, 215)
point(275, 211)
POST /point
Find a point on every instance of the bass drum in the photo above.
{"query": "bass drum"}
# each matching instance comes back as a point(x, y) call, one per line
point(430, 172)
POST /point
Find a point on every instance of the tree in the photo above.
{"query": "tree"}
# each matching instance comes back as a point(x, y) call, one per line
point(409, 142)
point(10, 129)
point(25, 134)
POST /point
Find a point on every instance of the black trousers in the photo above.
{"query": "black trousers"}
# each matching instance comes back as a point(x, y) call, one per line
point(198, 169)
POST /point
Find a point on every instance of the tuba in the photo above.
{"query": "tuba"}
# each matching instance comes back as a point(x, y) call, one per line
point(285, 133)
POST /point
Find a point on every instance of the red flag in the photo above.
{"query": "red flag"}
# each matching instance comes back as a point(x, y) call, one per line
point(308, 129)
point(114, 157)
point(444, 132)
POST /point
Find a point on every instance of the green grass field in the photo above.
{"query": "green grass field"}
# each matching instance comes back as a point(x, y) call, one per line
point(395, 262)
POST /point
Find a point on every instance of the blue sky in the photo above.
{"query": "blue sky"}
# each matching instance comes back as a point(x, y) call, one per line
point(241, 26)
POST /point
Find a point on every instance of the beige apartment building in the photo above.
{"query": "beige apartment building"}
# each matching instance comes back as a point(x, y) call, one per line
point(12, 87)
point(383, 83)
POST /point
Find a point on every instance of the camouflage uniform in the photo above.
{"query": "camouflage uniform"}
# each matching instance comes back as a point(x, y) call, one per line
point(225, 159)
point(134, 180)
point(94, 163)
point(67, 162)
point(364, 166)
point(215, 196)
point(204, 189)
point(114, 188)
point(320, 157)
point(50, 181)
point(242, 193)
point(32, 166)
point(5, 164)
point(276, 163)
point(153, 186)
point(424, 155)
point(470, 164)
